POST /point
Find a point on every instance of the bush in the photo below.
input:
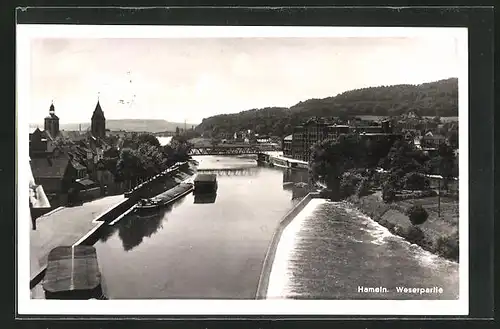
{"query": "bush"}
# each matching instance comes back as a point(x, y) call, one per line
point(417, 214)
point(395, 179)
point(415, 235)
point(448, 246)
point(363, 187)
point(388, 192)
point(416, 181)
point(349, 183)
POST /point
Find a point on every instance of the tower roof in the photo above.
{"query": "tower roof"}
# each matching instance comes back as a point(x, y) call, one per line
point(52, 114)
point(98, 113)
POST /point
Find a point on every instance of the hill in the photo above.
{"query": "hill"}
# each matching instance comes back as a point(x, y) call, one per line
point(128, 125)
point(428, 99)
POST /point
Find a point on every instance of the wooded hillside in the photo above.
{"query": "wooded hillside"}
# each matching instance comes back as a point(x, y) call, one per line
point(438, 98)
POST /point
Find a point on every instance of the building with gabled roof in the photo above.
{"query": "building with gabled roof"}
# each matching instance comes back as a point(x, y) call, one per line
point(55, 174)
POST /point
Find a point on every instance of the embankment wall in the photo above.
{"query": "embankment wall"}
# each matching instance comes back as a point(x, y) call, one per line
point(273, 245)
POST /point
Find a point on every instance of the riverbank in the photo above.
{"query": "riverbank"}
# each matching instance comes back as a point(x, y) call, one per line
point(438, 235)
point(55, 229)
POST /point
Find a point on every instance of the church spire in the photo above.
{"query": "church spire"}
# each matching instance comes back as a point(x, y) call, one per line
point(98, 121)
point(51, 124)
point(52, 109)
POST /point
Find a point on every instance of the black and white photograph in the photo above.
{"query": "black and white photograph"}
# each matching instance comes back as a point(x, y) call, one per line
point(242, 170)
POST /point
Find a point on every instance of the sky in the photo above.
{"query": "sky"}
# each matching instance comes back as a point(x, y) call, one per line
point(190, 79)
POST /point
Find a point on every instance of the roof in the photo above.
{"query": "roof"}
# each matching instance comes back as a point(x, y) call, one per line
point(85, 182)
point(49, 167)
point(77, 165)
point(72, 268)
point(288, 138)
point(98, 113)
point(205, 178)
point(379, 134)
point(52, 116)
point(434, 137)
point(48, 135)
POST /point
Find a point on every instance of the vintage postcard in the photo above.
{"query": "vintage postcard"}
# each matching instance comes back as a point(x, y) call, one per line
point(242, 170)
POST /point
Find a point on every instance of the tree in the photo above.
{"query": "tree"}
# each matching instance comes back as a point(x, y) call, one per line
point(177, 151)
point(148, 139)
point(403, 156)
point(446, 160)
point(129, 165)
point(415, 181)
point(453, 139)
point(388, 192)
point(417, 214)
point(436, 119)
point(349, 183)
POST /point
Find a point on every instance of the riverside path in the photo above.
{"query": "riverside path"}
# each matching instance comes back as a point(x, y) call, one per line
point(65, 226)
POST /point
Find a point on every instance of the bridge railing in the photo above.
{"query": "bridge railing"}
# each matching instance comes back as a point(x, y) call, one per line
point(232, 149)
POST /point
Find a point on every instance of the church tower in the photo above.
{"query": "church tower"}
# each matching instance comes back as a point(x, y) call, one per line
point(98, 125)
point(52, 122)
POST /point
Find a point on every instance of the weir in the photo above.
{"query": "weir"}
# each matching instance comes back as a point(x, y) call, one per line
point(271, 252)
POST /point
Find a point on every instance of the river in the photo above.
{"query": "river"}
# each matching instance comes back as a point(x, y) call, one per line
point(200, 248)
point(331, 250)
point(216, 248)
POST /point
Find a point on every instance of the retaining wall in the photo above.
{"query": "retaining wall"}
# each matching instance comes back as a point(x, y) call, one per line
point(91, 237)
point(106, 217)
point(271, 252)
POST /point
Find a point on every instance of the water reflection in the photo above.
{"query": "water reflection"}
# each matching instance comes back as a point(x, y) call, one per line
point(295, 176)
point(300, 190)
point(296, 181)
point(205, 198)
point(133, 228)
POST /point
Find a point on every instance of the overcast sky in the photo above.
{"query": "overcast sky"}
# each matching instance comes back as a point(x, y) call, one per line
point(190, 79)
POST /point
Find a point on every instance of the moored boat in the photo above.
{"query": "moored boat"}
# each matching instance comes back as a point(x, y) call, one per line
point(164, 198)
point(205, 183)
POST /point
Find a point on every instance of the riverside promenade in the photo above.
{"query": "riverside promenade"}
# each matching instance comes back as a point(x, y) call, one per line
point(64, 227)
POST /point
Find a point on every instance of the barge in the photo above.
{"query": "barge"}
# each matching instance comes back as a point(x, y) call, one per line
point(205, 183)
point(288, 163)
point(73, 273)
point(164, 198)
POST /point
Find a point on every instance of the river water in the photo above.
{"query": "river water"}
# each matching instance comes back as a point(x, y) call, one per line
point(332, 251)
point(216, 248)
point(200, 248)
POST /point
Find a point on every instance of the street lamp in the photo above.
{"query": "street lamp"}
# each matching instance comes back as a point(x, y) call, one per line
point(439, 192)
point(439, 199)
